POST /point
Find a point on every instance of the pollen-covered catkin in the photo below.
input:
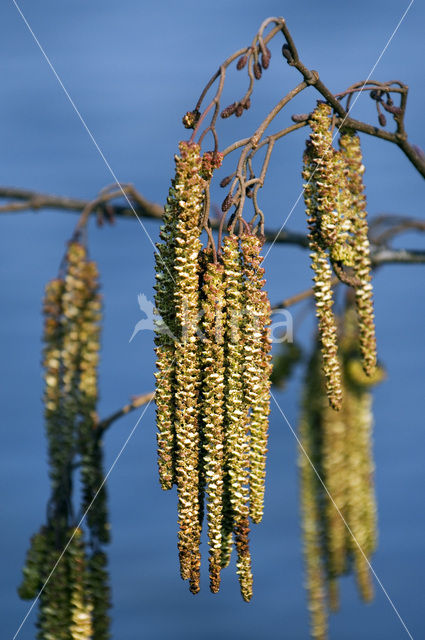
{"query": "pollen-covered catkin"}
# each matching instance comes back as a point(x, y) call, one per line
point(256, 368)
point(212, 364)
point(322, 284)
point(189, 187)
point(236, 415)
point(165, 328)
point(60, 444)
point(351, 151)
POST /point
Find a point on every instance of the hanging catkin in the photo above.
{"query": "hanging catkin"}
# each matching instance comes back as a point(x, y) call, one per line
point(213, 379)
point(212, 361)
point(100, 594)
point(311, 491)
point(90, 446)
point(189, 187)
point(351, 151)
point(164, 340)
point(340, 521)
point(318, 251)
point(256, 368)
point(81, 608)
point(236, 412)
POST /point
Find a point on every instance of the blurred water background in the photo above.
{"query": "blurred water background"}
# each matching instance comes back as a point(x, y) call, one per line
point(133, 69)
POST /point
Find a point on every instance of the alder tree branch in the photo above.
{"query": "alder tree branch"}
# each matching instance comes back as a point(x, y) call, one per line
point(136, 402)
point(388, 225)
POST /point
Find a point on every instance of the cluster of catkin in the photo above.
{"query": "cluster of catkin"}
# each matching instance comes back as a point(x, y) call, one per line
point(212, 392)
point(338, 238)
point(75, 595)
point(337, 492)
point(72, 310)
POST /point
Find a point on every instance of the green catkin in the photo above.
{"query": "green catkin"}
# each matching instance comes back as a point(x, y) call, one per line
point(59, 432)
point(335, 477)
point(100, 594)
point(236, 417)
point(322, 279)
point(90, 447)
point(256, 368)
point(164, 340)
point(34, 567)
point(311, 503)
point(54, 618)
point(339, 446)
point(212, 364)
point(189, 187)
point(351, 151)
point(81, 607)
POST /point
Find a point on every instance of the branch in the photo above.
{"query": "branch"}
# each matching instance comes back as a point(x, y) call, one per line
point(397, 256)
point(33, 200)
point(137, 401)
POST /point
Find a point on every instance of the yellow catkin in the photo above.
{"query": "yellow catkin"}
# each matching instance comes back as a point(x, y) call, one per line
point(360, 513)
point(189, 188)
point(212, 364)
point(53, 336)
point(322, 285)
point(351, 151)
point(236, 418)
point(335, 479)
point(256, 368)
point(311, 492)
point(165, 329)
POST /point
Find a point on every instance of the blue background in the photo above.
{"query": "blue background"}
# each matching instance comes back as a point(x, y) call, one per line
point(133, 69)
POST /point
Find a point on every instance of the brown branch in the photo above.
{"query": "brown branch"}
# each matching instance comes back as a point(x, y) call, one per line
point(397, 256)
point(137, 401)
point(32, 200)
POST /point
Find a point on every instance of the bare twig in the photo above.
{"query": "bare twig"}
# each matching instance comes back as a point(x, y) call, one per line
point(136, 402)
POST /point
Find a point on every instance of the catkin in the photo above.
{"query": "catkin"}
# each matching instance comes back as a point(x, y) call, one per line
point(311, 492)
point(213, 379)
point(81, 608)
point(236, 414)
point(322, 280)
point(339, 521)
point(350, 148)
point(189, 189)
point(256, 368)
point(212, 361)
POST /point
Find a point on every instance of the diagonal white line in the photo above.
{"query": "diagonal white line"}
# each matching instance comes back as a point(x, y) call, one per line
point(339, 128)
point(82, 518)
point(83, 122)
point(342, 518)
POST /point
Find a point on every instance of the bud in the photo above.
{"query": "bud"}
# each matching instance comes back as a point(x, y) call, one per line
point(300, 117)
point(227, 203)
point(239, 110)
point(265, 58)
point(225, 181)
point(382, 120)
point(241, 62)
point(229, 111)
point(257, 70)
point(396, 111)
point(286, 52)
point(246, 103)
